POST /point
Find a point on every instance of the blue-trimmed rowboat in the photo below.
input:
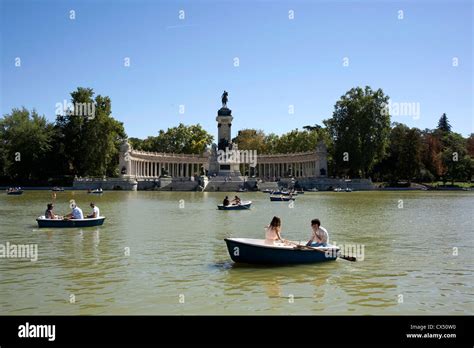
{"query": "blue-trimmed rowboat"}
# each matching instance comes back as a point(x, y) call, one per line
point(281, 198)
point(257, 251)
point(63, 223)
point(16, 192)
point(244, 205)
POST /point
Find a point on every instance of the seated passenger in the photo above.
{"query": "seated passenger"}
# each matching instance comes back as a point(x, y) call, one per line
point(272, 231)
point(49, 214)
point(236, 200)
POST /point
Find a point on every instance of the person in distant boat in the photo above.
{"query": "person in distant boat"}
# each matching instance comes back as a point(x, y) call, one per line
point(320, 236)
point(226, 201)
point(76, 212)
point(273, 231)
point(236, 200)
point(49, 214)
point(95, 211)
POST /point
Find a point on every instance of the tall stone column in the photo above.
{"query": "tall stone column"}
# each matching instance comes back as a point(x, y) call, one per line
point(125, 162)
point(321, 159)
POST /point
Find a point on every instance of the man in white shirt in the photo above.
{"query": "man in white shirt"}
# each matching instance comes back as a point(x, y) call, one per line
point(95, 211)
point(76, 212)
point(320, 236)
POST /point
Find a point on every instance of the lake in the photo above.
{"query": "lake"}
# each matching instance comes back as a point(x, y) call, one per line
point(164, 253)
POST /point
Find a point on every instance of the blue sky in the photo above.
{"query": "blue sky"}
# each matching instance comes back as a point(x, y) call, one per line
point(282, 61)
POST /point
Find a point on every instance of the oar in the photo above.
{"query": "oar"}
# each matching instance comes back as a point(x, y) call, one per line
point(345, 257)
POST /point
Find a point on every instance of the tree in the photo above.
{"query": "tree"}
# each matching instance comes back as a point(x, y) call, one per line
point(359, 128)
point(191, 139)
point(431, 154)
point(470, 145)
point(443, 124)
point(137, 144)
point(251, 139)
point(26, 143)
point(405, 151)
point(271, 142)
point(297, 141)
point(105, 134)
point(455, 158)
point(90, 143)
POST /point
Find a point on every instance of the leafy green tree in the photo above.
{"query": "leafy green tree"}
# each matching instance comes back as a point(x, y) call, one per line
point(137, 144)
point(431, 154)
point(470, 145)
point(297, 141)
point(359, 128)
point(104, 134)
point(251, 139)
point(455, 158)
point(191, 139)
point(26, 143)
point(405, 151)
point(90, 143)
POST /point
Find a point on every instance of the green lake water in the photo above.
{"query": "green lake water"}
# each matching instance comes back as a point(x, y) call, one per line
point(418, 255)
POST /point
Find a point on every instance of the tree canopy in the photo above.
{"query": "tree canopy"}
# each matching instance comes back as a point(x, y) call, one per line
point(191, 139)
point(25, 143)
point(360, 128)
point(360, 140)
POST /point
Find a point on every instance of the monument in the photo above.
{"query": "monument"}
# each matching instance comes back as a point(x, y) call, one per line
point(223, 167)
point(221, 161)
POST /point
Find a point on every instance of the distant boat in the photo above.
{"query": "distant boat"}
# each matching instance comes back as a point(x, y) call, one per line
point(285, 193)
point(242, 190)
point(281, 198)
point(12, 191)
point(348, 189)
point(242, 206)
point(338, 189)
point(64, 223)
point(96, 191)
point(57, 189)
point(267, 191)
point(257, 251)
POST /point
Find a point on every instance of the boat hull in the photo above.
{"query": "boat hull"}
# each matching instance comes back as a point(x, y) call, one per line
point(70, 223)
point(242, 251)
point(282, 199)
point(243, 206)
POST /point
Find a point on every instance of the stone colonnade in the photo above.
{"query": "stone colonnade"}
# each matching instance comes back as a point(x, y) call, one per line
point(140, 164)
point(297, 165)
point(154, 164)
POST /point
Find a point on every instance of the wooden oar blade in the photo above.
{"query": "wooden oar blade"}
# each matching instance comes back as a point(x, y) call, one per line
point(348, 258)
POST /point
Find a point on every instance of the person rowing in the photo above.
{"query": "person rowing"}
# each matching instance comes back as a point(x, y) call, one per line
point(76, 212)
point(226, 202)
point(319, 236)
